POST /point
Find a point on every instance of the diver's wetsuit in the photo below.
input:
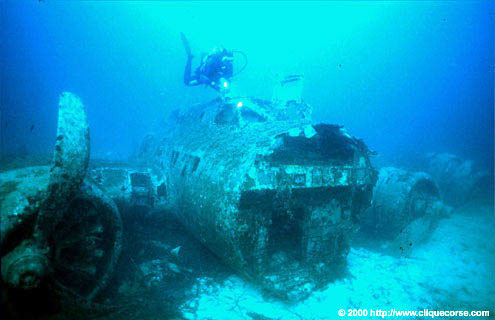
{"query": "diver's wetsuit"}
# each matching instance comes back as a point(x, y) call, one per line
point(215, 66)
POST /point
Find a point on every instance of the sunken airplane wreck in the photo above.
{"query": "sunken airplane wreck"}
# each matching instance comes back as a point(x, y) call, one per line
point(275, 197)
point(60, 233)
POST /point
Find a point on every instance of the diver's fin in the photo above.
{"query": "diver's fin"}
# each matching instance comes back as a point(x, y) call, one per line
point(186, 44)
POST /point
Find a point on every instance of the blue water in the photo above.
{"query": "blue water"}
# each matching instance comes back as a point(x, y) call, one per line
point(407, 77)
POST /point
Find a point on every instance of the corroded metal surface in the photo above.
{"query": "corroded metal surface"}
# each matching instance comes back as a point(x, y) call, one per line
point(274, 196)
point(56, 226)
point(400, 198)
point(21, 195)
point(87, 242)
point(25, 266)
point(70, 161)
point(129, 186)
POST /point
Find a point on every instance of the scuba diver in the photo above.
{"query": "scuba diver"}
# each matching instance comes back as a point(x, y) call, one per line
point(215, 70)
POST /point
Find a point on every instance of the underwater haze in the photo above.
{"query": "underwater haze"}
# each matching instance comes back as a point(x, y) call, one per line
point(407, 77)
point(345, 168)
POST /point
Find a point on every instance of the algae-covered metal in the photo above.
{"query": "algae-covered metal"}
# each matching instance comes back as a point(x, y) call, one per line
point(400, 198)
point(56, 226)
point(70, 161)
point(271, 194)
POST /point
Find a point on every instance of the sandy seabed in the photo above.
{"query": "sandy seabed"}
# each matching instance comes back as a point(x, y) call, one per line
point(452, 270)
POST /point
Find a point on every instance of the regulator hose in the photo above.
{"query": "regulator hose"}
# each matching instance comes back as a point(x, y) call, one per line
point(245, 61)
